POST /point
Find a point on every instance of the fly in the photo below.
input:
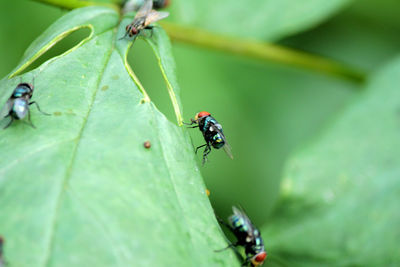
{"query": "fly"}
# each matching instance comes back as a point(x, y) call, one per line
point(212, 133)
point(248, 236)
point(17, 106)
point(144, 17)
point(2, 262)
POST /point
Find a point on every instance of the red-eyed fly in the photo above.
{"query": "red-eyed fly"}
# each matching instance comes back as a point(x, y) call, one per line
point(212, 133)
point(144, 17)
point(248, 236)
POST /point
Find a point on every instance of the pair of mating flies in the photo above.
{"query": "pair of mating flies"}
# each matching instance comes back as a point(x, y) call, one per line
point(248, 236)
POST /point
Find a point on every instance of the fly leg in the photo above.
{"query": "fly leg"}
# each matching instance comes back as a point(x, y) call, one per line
point(37, 106)
point(123, 37)
point(197, 148)
point(134, 38)
point(246, 262)
point(234, 247)
point(206, 152)
point(149, 27)
point(231, 245)
point(224, 223)
point(29, 120)
point(193, 122)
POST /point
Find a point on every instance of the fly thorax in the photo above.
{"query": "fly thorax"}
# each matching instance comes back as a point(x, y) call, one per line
point(20, 108)
point(20, 91)
point(207, 124)
point(140, 23)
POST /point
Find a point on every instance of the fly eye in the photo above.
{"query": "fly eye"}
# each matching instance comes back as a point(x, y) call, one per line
point(261, 257)
point(132, 31)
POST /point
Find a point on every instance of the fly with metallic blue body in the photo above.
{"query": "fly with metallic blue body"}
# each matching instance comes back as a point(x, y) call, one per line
point(212, 133)
point(17, 106)
point(248, 236)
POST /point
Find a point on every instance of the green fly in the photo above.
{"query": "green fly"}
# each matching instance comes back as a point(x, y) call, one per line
point(248, 236)
point(212, 133)
point(17, 106)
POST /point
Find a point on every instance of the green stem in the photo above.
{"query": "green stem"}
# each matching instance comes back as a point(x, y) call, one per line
point(71, 4)
point(263, 51)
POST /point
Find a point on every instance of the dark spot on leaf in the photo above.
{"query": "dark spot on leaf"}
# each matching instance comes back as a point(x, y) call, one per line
point(57, 113)
point(115, 77)
point(105, 87)
point(147, 144)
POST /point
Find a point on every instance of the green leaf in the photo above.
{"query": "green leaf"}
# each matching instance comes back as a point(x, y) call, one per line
point(267, 20)
point(81, 189)
point(341, 193)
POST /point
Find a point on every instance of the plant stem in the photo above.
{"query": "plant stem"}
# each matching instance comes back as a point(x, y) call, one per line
point(71, 4)
point(249, 48)
point(263, 51)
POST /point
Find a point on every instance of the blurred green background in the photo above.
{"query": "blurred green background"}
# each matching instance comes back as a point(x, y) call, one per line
point(267, 109)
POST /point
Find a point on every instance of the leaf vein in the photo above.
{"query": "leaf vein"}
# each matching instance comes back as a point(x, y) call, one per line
point(68, 172)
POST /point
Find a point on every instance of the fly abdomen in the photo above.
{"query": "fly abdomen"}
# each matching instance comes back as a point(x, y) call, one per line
point(217, 141)
point(240, 226)
point(19, 109)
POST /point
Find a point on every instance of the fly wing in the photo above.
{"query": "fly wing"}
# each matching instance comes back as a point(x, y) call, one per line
point(227, 147)
point(6, 109)
point(145, 9)
point(241, 213)
point(154, 16)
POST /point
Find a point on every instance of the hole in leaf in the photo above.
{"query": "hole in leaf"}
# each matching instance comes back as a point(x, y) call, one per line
point(144, 64)
point(62, 46)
